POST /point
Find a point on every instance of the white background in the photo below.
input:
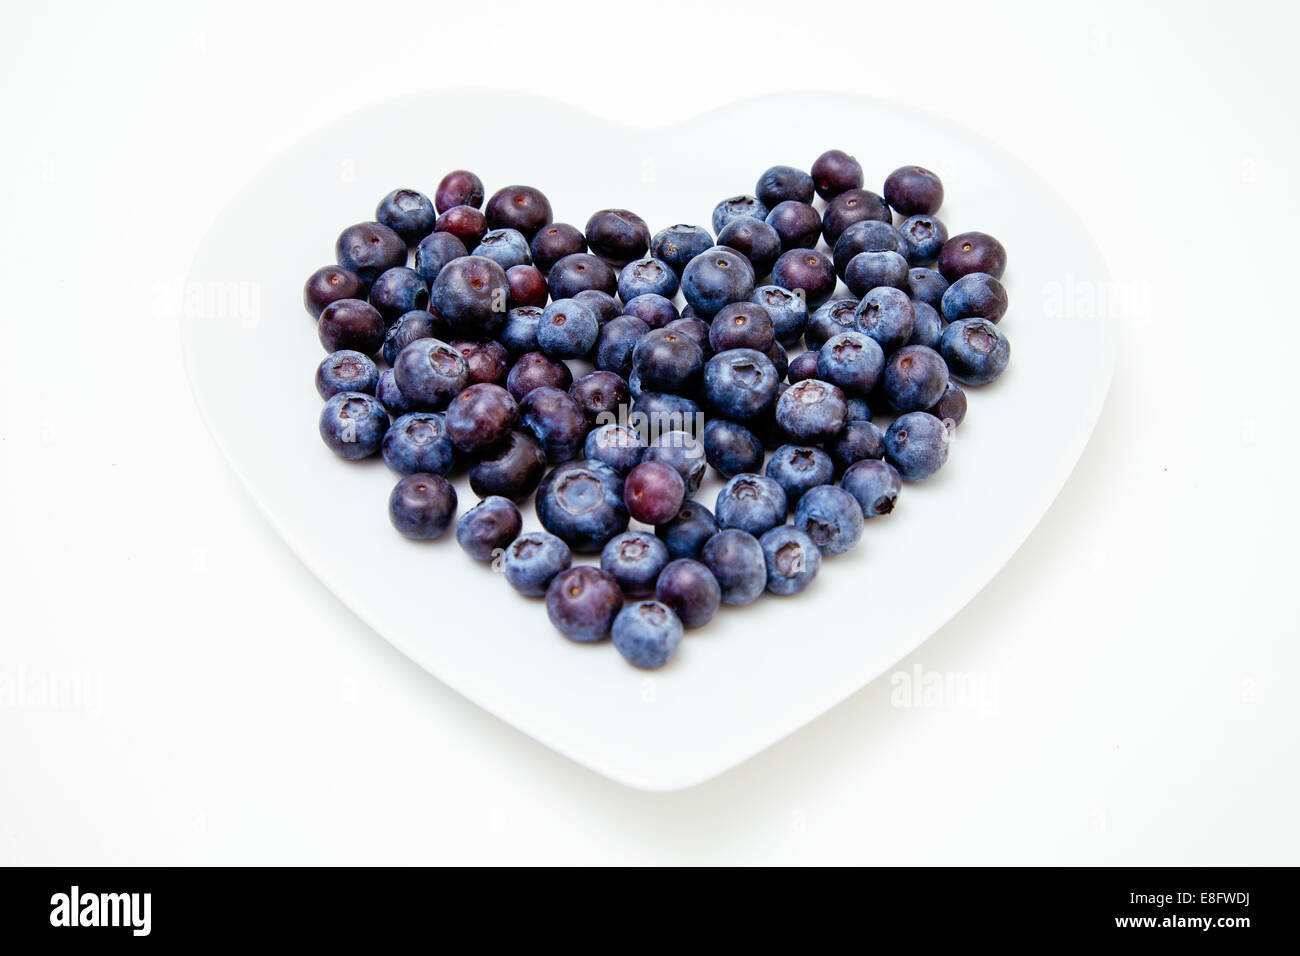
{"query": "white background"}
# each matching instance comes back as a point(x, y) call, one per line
point(1139, 652)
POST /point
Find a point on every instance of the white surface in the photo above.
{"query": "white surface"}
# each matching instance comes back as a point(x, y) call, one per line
point(1141, 643)
point(754, 674)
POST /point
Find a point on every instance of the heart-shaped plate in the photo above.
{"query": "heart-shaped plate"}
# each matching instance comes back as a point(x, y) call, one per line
point(754, 674)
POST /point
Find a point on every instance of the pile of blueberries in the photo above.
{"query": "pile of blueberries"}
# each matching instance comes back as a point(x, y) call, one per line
point(477, 332)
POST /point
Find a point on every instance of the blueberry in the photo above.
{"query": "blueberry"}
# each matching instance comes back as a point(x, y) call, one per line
point(679, 244)
point(975, 350)
point(923, 238)
point(419, 442)
point(634, 559)
point(431, 372)
point(557, 421)
point(752, 503)
point(346, 371)
point(653, 492)
point(582, 603)
point(797, 223)
point(831, 318)
point(806, 269)
point(534, 370)
point(740, 384)
point(618, 446)
point(653, 309)
point(784, 184)
point(926, 285)
point(683, 452)
point(716, 278)
point(689, 589)
point(927, 325)
point(525, 286)
point(874, 485)
point(667, 362)
point(731, 449)
point(647, 634)
point(851, 361)
point(533, 560)
point(434, 252)
point(798, 468)
point(856, 409)
point(568, 329)
point(408, 213)
point(518, 207)
point(512, 470)
point(686, 535)
point(951, 407)
point(831, 517)
point(519, 335)
point(972, 252)
point(789, 312)
point(578, 272)
point(398, 291)
point(915, 378)
point(792, 559)
point(976, 295)
point(886, 315)
point(598, 393)
point(811, 412)
point(850, 206)
point(754, 239)
point(742, 325)
point(873, 270)
point(858, 441)
point(487, 529)
point(618, 236)
point(416, 324)
point(835, 172)
point(488, 361)
point(582, 502)
point(642, 276)
point(330, 284)
point(913, 190)
point(663, 412)
point(506, 247)
point(555, 241)
point(422, 506)
point(351, 324)
point(802, 366)
point(369, 249)
point(471, 295)
point(615, 343)
point(480, 417)
point(603, 304)
point(390, 396)
point(736, 561)
point(352, 424)
point(459, 187)
point(917, 445)
point(697, 330)
point(736, 207)
point(869, 235)
point(465, 223)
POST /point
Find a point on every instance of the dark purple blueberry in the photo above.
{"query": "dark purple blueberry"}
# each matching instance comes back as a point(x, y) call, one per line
point(784, 184)
point(872, 270)
point(917, 445)
point(634, 559)
point(742, 325)
point(886, 315)
point(518, 207)
point(797, 468)
point(689, 589)
point(788, 311)
point(351, 324)
point(926, 285)
point(557, 421)
point(582, 503)
point(831, 318)
point(972, 252)
point(616, 341)
point(480, 417)
point(805, 269)
point(682, 452)
point(520, 332)
point(422, 506)
point(735, 559)
point(975, 350)
point(831, 517)
point(346, 371)
point(731, 449)
point(752, 503)
point(913, 190)
point(390, 396)
point(679, 244)
point(398, 291)
point(465, 223)
point(869, 235)
point(618, 236)
point(856, 409)
point(352, 425)
point(416, 324)
point(618, 446)
point(686, 535)
point(716, 278)
point(811, 411)
point(697, 330)
point(915, 378)
point(792, 559)
point(653, 492)
point(330, 284)
point(488, 361)
point(849, 207)
point(505, 247)
point(533, 560)
point(974, 296)
point(803, 366)
point(418, 442)
point(729, 210)
point(471, 295)
point(835, 172)
point(754, 239)
point(434, 252)
point(369, 249)
point(459, 187)
point(951, 407)
point(852, 362)
point(600, 393)
point(667, 361)
point(923, 238)
point(740, 384)
point(582, 603)
point(603, 304)
point(567, 329)
point(430, 373)
point(647, 276)
point(512, 470)
point(408, 213)
point(580, 271)
point(857, 442)
point(797, 223)
point(651, 308)
point(927, 326)
point(486, 530)
point(553, 242)
point(875, 485)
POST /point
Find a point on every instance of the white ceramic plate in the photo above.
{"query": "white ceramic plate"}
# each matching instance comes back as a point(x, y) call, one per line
point(754, 674)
